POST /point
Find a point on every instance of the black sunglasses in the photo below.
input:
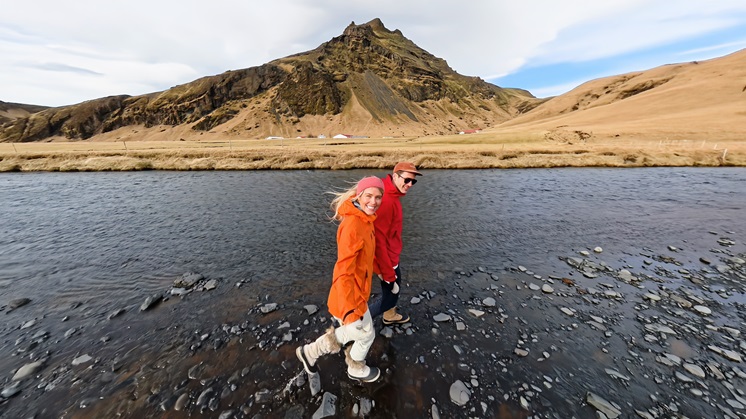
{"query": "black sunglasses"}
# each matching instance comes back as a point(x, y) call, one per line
point(408, 180)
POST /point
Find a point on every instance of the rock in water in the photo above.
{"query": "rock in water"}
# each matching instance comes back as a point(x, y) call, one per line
point(328, 407)
point(150, 302)
point(18, 302)
point(603, 406)
point(459, 393)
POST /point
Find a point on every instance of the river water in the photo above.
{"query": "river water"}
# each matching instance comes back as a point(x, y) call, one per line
point(80, 245)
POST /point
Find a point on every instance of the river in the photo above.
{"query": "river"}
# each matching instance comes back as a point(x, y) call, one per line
point(83, 245)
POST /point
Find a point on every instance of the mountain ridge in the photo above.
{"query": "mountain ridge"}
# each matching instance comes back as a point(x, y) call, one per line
point(368, 77)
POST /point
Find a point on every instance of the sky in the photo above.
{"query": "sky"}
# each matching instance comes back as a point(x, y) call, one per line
point(62, 52)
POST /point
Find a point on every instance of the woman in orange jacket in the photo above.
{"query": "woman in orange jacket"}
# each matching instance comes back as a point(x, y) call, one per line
point(351, 283)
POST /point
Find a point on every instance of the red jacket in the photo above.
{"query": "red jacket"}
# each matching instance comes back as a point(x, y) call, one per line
point(353, 272)
point(388, 231)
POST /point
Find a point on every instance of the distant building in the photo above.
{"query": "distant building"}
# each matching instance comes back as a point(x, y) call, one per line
point(274, 138)
point(343, 136)
point(470, 131)
point(322, 136)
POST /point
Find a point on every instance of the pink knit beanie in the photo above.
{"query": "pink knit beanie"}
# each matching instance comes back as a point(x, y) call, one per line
point(369, 182)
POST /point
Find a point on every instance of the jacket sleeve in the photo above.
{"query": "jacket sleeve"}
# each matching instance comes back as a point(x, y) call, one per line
point(349, 247)
point(383, 264)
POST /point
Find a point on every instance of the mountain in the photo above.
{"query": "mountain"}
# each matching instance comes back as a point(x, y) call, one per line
point(695, 100)
point(12, 111)
point(369, 81)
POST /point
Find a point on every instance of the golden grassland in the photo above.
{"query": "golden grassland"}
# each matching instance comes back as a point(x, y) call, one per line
point(476, 151)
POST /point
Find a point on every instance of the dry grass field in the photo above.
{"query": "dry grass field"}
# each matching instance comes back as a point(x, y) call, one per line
point(484, 150)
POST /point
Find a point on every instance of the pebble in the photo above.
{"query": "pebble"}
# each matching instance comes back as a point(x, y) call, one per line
point(702, 310)
point(268, 308)
point(27, 370)
point(459, 393)
point(547, 289)
point(476, 313)
point(489, 302)
point(442, 317)
point(81, 359)
point(603, 406)
point(328, 406)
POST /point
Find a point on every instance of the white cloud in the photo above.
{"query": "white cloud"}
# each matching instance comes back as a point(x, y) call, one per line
point(81, 50)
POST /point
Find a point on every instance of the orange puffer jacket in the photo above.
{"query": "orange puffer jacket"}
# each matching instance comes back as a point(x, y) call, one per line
point(353, 272)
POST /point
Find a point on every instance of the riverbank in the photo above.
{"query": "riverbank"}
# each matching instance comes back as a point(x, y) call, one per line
point(480, 151)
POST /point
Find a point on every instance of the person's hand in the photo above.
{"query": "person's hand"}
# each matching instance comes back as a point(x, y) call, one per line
point(395, 288)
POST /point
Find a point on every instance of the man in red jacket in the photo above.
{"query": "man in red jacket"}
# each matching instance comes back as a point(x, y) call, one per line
point(388, 226)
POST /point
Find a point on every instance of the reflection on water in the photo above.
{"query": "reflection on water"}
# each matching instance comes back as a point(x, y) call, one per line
point(106, 240)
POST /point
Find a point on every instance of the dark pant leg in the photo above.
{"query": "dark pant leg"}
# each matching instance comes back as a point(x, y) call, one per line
point(387, 300)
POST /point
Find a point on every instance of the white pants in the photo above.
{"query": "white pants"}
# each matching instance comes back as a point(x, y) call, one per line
point(361, 332)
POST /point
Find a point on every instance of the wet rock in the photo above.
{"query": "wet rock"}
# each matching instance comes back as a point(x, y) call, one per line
point(116, 313)
point(732, 355)
point(82, 360)
point(702, 310)
point(268, 308)
point(568, 311)
point(387, 332)
point(459, 393)
point(695, 370)
point(181, 402)
point(150, 302)
point(441, 317)
point(314, 383)
point(204, 397)
point(434, 412)
point(27, 370)
point(365, 407)
point(188, 280)
point(328, 407)
point(616, 374)
point(263, 396)
point(211, 285)
point(227, 414)
point(11, 390)
point(476, 313)
point(603, 406)
point(520, 352)
point(18, 302)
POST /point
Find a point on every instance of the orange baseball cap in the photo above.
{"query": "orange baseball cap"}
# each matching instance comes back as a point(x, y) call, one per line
point(406, 166)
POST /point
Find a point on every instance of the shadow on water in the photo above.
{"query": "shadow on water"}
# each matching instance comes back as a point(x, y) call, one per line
point(85, 246)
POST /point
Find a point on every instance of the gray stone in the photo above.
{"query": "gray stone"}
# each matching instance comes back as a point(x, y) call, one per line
point(27, 370)
point(211, 284)
point(442, 317)
point(314, 383)
point(489, 302)
point(311, 309)
point(460, 394)
point(603, 406)
point(328, 407)
point(81, 359)
point(150, 302)
point(188, 280)
point(18, 302)
point(268, 308)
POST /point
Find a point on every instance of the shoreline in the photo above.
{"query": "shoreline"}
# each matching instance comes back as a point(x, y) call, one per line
point(310, 155)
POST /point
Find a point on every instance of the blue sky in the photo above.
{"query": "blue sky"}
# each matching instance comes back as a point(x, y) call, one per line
point(64, 52)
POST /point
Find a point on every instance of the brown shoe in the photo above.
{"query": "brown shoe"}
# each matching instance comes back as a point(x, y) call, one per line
point(392, 317)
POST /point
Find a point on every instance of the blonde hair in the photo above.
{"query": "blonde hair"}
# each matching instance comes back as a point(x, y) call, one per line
point(340, 197)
